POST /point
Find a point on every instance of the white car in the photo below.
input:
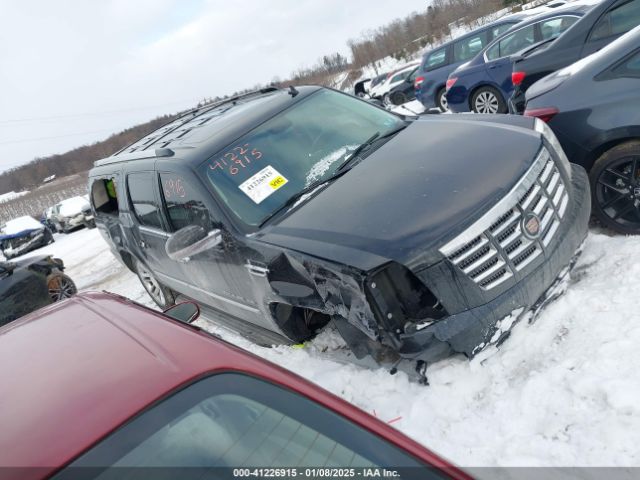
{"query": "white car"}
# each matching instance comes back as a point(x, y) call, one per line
point(73, 213)
point(396, 77)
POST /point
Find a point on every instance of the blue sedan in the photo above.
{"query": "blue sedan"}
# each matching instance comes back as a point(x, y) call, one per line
point(483, 84)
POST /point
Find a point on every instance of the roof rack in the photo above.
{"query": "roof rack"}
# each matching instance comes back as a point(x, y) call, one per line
point(199, 111)
point(139, 155)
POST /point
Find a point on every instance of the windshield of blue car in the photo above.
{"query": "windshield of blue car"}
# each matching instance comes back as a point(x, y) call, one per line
point(305, 144)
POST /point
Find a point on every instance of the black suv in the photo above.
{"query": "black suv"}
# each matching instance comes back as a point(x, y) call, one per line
point(284, 209)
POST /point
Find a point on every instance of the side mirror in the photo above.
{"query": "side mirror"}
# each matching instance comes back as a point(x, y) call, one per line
point(190, 241)
point(186, 312)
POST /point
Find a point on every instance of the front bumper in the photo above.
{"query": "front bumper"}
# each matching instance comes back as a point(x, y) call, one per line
point(517, 102)
point(32, 243)
point(471, 330)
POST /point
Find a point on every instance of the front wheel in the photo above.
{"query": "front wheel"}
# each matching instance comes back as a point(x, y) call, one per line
point(488, 100)
point(615, 188)
point(398, 98)
point(60, 286)
point(160, 294)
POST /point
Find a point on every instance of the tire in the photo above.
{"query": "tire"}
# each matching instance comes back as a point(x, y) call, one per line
point(299, 324)
point(49, 237)
point(488, 100)
point(615, 188)
point(161, 295)
point(441, 100)
point(398, 98)
point(60, 286)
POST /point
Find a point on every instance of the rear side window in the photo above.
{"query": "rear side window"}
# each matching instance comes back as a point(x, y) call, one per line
point(617, 21)
point(143, 199)
point(104, 197)
point(555, 26)
point(184, 205)
point(435, 59)
point(400, 76)
point(513, 43)
point(469, 47)
point(629, 67)
point(500, 29)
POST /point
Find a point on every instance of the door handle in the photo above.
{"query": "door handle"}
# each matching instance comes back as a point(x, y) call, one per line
point(256, 270)
point(143, 244)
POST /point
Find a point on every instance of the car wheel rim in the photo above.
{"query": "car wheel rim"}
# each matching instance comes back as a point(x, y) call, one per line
point(618, 192)
point(486, 102)
point(444, 105)
point(151, 285)
point(60, 288)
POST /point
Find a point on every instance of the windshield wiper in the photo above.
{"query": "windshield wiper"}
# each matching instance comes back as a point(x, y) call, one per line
point(362, 147)
point(342, 169)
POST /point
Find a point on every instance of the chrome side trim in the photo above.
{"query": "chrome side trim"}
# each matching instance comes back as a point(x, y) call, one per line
point(154, 231)
point(210, 294)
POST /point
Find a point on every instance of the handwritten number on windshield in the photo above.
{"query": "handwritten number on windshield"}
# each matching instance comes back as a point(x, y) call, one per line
point(238, 157)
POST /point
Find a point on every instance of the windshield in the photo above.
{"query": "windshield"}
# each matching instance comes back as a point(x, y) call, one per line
point(304, 144)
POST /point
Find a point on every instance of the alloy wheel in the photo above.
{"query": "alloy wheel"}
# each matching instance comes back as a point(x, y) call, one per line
point(60, 287)
point(486, 102)
point(151, 285)
point(618, 191)
point(444, 104)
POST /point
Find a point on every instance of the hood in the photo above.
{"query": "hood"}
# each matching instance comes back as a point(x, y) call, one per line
point(73, 206)
point(406, 199)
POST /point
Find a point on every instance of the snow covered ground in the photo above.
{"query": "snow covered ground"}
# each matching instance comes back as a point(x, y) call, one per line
point(562, 391)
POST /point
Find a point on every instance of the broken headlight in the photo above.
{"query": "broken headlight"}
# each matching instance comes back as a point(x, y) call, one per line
point(401, 301)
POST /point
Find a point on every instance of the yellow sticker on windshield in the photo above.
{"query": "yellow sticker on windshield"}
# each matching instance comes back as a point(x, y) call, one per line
point(262, 184)
point(277, 182)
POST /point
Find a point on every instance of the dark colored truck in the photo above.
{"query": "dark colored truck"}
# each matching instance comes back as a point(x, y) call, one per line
point(283, 210)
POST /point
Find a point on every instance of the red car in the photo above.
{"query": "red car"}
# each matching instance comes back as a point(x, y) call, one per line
point(98, 381)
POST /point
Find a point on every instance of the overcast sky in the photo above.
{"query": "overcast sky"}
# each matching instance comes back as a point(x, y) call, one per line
point(73, 72)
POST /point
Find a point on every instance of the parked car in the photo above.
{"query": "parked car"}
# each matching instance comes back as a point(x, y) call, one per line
point(600, 130)
point(29, 284)
point(438, 63)
point(404, 92)
point(73, 213)
point(22, 235)
point(307, 205)
point(604, 23)
point(483, 85)
point(185, 400)
point(381, 91)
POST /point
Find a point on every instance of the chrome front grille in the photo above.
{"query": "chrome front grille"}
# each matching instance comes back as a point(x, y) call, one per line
point(496, 248)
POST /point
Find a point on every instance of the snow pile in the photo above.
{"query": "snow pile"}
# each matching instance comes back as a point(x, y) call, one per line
point(559, 392)
point(413, 107)
point(20, 224)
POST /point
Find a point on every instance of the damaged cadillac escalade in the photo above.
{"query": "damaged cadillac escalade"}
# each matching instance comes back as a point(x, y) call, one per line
point(282, 210)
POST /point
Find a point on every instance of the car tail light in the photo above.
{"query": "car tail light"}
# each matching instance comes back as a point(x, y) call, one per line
point(544, 114)
point(451, 81)
point(417, 82)
point(517, 78)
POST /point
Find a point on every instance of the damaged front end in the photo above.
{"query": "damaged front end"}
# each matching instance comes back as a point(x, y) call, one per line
point(15, 245)
point(488, 276)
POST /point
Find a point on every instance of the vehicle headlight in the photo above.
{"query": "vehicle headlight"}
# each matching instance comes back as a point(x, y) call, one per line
point(546, 132)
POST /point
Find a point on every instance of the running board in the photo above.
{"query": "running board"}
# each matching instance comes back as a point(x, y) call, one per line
point(255, 333)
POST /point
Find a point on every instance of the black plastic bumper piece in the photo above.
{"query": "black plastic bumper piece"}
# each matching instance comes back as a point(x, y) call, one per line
point(471, 330)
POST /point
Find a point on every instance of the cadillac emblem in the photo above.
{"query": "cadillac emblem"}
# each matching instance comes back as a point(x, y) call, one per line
point(531, 225)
